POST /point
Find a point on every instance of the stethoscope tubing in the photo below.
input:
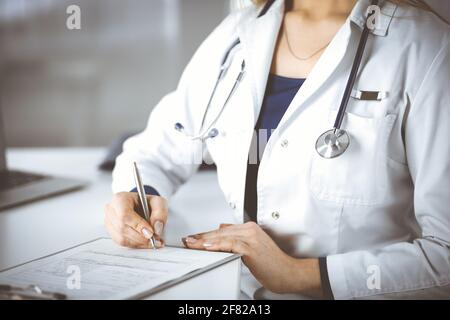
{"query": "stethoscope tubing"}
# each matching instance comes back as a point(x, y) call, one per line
point(230, 94)
point(353, 73)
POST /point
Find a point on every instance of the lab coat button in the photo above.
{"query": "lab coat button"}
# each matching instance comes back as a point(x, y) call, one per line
point(232, 205)
point(284, 143)
point(275, 215)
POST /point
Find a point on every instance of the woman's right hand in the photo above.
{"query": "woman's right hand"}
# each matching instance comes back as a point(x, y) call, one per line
point(128, 228)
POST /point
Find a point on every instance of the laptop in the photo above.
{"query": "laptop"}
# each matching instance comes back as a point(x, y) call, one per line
point(18, 187)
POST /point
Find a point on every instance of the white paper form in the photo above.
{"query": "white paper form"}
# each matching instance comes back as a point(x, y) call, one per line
point(105, 270)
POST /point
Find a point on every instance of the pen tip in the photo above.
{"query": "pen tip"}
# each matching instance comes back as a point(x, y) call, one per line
point(152, 242)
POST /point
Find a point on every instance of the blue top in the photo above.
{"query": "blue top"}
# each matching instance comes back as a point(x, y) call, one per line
point(280, 92)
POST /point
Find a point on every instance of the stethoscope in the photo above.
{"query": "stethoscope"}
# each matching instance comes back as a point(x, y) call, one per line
point(209, 132)
point(330, 144)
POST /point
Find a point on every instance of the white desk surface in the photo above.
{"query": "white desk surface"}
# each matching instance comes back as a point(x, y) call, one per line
point(43, 227)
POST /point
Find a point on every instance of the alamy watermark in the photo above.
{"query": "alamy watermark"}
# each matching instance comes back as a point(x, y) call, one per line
point(73, 21)
point(374, 14)
point(373, 281)
point(73, 281)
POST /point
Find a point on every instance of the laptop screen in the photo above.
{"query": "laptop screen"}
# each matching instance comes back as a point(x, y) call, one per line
point(2, 143)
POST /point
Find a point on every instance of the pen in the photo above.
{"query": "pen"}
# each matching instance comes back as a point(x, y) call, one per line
point(142, 198)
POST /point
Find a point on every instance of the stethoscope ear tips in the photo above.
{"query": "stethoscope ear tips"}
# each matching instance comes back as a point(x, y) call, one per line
point(332, 143)
point(213, 133)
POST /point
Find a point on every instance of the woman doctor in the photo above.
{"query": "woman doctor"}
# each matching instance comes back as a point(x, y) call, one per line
point(372, 222)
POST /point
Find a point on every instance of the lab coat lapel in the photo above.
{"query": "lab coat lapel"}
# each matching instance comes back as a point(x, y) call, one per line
point(334, 55)
point(258, 39)
point(324, 68)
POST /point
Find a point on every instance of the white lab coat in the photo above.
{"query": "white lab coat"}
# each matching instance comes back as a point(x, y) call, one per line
point(383, 207)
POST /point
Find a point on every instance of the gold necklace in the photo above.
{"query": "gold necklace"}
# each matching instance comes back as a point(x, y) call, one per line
point(292, 51)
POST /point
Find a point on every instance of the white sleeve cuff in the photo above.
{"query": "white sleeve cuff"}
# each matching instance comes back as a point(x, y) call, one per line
point(337, 277)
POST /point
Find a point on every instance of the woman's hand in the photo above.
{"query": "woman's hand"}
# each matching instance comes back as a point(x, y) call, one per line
point(128, 228)
point(276, 271)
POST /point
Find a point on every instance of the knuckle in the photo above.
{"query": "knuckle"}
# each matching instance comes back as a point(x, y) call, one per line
point(137, 224)
point(122, 228)
point(120, 195)
point(252, 228)
point(122, 219)
point(234, 246)
point(117, 197)
point(122, 241)
point(251, 224)
point(124, 216)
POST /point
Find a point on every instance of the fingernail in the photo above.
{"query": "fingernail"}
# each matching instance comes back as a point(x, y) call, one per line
point(158, 243)
point(159, 227)
point(208, 244)
point(190, 240)
point(147, 233)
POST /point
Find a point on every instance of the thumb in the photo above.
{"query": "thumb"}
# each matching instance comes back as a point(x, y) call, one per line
point(159, 211)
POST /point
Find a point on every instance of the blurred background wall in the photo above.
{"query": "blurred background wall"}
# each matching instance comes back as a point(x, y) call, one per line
point(61, 87)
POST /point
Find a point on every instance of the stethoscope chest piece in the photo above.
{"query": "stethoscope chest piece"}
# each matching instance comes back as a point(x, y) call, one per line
point(332, 143)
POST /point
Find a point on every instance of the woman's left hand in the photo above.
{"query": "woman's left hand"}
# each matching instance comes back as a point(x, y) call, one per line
point(272, 267)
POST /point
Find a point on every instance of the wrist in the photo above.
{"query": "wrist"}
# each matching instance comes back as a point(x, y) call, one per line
point(305, 277)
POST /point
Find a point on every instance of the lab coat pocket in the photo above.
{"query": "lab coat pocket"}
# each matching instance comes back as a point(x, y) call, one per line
point(354, 177)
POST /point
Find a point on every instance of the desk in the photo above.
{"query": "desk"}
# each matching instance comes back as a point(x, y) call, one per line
point(40, 228)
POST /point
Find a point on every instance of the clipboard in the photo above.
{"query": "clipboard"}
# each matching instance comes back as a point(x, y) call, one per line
point(136, 273)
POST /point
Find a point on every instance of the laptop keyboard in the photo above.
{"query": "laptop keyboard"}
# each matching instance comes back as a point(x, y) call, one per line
point(14, 179)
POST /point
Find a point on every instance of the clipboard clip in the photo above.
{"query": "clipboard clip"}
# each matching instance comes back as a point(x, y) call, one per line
point(31, 292)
